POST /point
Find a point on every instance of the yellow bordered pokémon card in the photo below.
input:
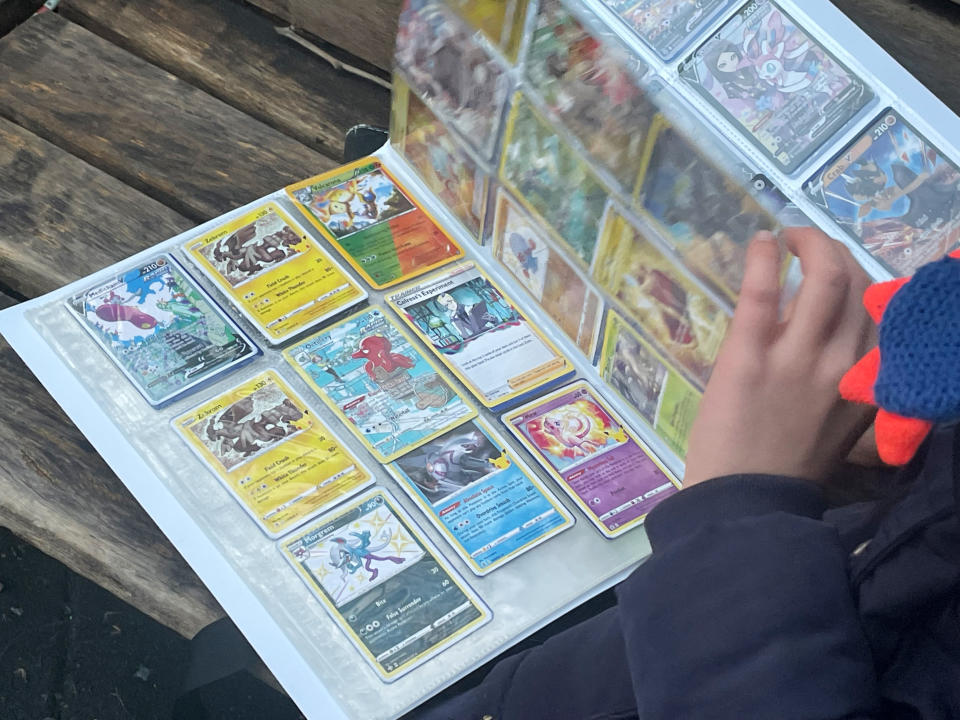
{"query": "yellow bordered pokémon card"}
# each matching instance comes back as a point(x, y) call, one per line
point(274, 272)
point(272, 453)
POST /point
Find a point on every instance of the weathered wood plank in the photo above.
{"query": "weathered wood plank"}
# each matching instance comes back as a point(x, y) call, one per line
point(61, 218)
point(365, 29)
point(6, 301)
point(924, 37)
point(61, 497)
point(159, 134)
point(233, 52)
point(921, 34)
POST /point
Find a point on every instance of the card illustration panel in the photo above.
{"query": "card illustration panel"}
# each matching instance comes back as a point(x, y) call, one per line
point(487, 503)
point(161, 329)
point(374, 223)
point(384, 585)
point(382, 386)
point(895, 193)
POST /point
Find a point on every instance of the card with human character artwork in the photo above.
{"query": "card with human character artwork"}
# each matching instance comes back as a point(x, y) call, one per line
point(481, 335)
point(782, 88)
point(384, 584)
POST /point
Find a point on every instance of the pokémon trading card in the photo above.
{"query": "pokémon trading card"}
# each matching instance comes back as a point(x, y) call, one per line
point(480, 334)
point(895, 193)
point(659, 394)
point(452, 69)
point(385, 585)
point(594, 88)
point(279, 278)
point(526, 249)
point(438, 157)
point(273, 454)
point(667, 26)
point(379, 383)
point(161, 329)
point(682, 320)
point(488, 504)
point(381, 231)
point(601, 464)
point(771, 78)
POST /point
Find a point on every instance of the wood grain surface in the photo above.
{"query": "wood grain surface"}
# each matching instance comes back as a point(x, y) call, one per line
point(233, 52)
point(61, 218)
point(923, 36)
point(149, 129)
point(366, 29)
point(59, 495)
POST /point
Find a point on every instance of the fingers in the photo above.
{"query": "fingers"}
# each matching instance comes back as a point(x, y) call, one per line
point(823, 295)
point(758, 307)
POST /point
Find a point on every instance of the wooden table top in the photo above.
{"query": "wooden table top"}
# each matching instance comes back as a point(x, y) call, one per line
point(124, 124)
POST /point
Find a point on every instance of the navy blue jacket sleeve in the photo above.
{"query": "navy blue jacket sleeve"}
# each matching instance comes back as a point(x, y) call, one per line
point(745, 609)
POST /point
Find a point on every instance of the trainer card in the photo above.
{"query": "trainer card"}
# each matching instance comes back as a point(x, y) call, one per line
point(449, 66)
point(681, 319)
point(551, 180)
point(500, 20)
point(601, 464)
point(279, 461)
point(384, 584)
point(524, 247)
point(479, 333)
point(279, 278)
point(657, 392)
point(594, 89)
point(440, 161)
point(161, 329)
point(894, 193)
point(707, 216)
point(488, 504)
point(787, 93)
point(379, 383)
point(374, 223)
point(667, 25)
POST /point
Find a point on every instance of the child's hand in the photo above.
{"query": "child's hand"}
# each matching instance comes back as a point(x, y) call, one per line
point(772, 404)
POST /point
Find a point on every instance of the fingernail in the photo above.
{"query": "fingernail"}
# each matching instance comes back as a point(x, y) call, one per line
point(765, 236)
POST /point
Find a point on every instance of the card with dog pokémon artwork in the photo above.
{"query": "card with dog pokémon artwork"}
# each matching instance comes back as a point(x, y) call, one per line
point(384, 584)
point(274, 455)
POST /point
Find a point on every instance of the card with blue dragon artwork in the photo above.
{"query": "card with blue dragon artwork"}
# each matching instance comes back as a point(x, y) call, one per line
point(379, 383)
point(161, 329)
point(386, 587)
point(895, 193)
point(488, 504)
